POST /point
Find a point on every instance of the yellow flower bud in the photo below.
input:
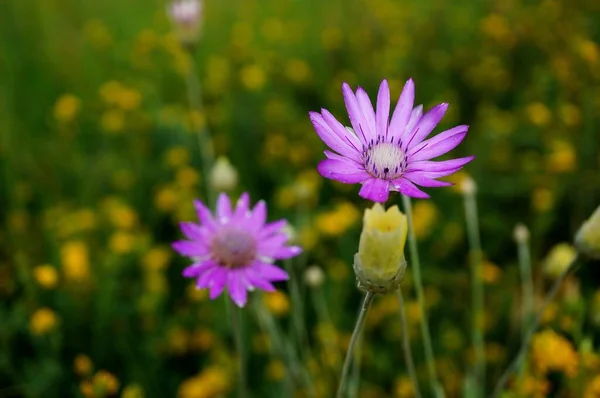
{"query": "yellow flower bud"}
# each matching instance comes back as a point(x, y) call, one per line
point(223, 176)
point(380, 263)
point(587, 239)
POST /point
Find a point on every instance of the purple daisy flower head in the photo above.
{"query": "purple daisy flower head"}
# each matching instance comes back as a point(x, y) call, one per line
point(235, 248)
point(386, 154)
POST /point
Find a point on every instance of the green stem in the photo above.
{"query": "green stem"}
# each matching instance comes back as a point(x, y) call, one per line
point(354, 383)
point(476, 289)
point(532, 328)
point(207, 152)
point(416, 266)
point(236, 322)
point(410, 366)
point(349, 354)
point(527, 289)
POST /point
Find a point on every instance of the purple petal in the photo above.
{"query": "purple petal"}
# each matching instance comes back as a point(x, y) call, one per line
point(224, 211)
point(257, 218)
point(237, 288)
point(375, 189)
point(341, 131)
point(287, 252)
point(270, 271)
point(206, 278)
point(269, 246)
point(205, 215)
point(355, 114)
point(420, 179)
point(425, 126)
point(219, 282)
point(364, 102)
point(194, 270)
point(190, 249)
point(331, 139)
point(438, 145)
point(409, 189)
point(271, 228)
point(432, 166)
point(383, 108)
point(194, 231)
point(256, 280)
point(242, 206)
point(347, 172)
point(415, 117)
point(403, 110)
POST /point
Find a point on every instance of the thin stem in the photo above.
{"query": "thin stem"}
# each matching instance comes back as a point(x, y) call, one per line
point(532, 328)
point(476, 289)
point(410, 366)
point(298, 329)
point(354, 383)
point(207, 152)
point(349, 354)
point(416, 266)
point(527, 288)
point(236, 322)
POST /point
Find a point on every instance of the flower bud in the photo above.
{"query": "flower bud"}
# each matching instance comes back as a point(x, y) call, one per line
point(468, 186)
point(223, 176)
point(186, 16)
point(559, 258)
point(521, 234)
point(587, 239)
point(380, 264)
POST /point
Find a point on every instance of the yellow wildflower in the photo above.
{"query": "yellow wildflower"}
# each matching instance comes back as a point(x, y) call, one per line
point(166, 199)
point(276, 370)
point(113, 121)
point(542, 199)
point(277, 302)
point(592, 390)
point(404, 388)
point(133, 391)
point(253, 77)
point(551, 352)
point(75, 261)
point(66, 108)
point(42, 321)
point(336, 222)
point(202, 339)
point(46, 276)
point(425, 215)
point(562, 157)
point(82, 365)
point(380, 263)
point(121, 242)
point(157, 258)
point(538, 114)
point(559, 259)
point(177, 340)
point(96, 32)
point(177, 156)
point(106, 382)
point(297, 71)
point(187, 177)
point(212, 382)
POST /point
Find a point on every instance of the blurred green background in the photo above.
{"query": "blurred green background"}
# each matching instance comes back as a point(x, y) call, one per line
point(99, 162)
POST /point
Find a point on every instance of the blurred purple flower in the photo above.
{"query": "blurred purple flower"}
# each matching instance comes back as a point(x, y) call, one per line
point(235, 249)
point(387, 155)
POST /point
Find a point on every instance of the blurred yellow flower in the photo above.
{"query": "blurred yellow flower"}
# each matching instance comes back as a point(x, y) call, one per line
point(113, 121)
point(66, 108)
point(105, 382)
point(157, 258)
point(277, 302)
point(129, 99)
point(297, 70)
point(196, 122)
point(331, 38)
point(133, 391)
point(498, 28)
point(42, 321)
point(177, 156)
point(570, 114)
point(156, 282)
point(562, 157)
point(425, 215)
point(542, 199)
point(123, 216)
point(589, 52)
point(490, 272)
point(404, 388)
point(75, 261)
point(166, 199)
point(534, 387)
point(253, 77)
point(82, 365)
point(276, 370)
point(538, 114)
point(212, 382)
point(178, 340)
point(97, 33)
point(121, 242)
point(223, 176)
point(202, 339)
point(592, 390)
point(187, 177)
point(196, 295)
point(87, 389)
point(558, 259)
point(337, 221)
point(46, 276)
point(551, 352)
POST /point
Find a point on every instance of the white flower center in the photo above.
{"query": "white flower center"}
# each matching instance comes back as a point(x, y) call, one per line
point(233, 247)
point(385, 160)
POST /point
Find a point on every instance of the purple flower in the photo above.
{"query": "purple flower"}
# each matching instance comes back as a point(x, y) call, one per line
point(235, 249)
point(387, 155)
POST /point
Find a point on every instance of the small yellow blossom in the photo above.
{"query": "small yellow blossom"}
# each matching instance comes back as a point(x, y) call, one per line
point(380, 263)
point(276, 370)
point(425, 215)
point(123, 216)
point(83, 365)
point(106, 382)
point(46, 276)
point(592, 390)
point(212, 382)
point(253, 77)
point(297, 71)
point(187, 177)
point(277, 302)
point(587, 238)
point(490, 272)
point(202, 339)
point(113, 121)
point(538, 114)
point(562, 157)
point(404, 388)
point(42, 321)
point(178, 340)
point(157, 258)
point(66, 108)
point(542, 200)
point(551, 352)
point(87, 389)
point(336, 222)
point(177, 157)
point(121, 242)
point(133, 391)
point(558, 259)
point(166, 199)
point(97, 33)
point(75, 261)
